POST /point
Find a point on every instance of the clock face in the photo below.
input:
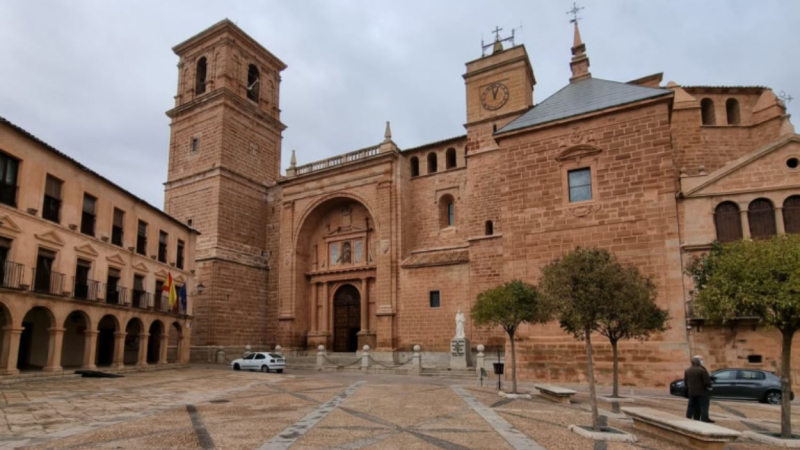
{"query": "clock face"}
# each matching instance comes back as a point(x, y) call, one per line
point(494, 96)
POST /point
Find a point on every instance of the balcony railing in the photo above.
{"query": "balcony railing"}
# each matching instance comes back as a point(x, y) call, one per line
point(8, 194)
point(338, 160)
point(48, 282)
point(85, 289)
point(116, 296)
point(140, 299)
point(11, 274)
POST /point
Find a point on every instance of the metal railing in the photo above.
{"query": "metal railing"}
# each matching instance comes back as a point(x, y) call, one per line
point(48, 282)
point(140, 299)
point(11, 274)
point(116, 296)
point(337, 160)
point(85, 289)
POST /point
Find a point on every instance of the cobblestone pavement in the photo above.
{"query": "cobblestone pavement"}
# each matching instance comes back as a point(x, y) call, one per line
point(212, 408)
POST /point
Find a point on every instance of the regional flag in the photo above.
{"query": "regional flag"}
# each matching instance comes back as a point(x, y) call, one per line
point(169, 289)
point(182, 296)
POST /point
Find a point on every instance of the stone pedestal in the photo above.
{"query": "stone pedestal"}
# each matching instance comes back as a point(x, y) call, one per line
point(459, 353)
point(367, 338)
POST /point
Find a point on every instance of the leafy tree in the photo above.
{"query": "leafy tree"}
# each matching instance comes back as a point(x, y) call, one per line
point(508, 306)
point(759, 278)
point(585, 285)
point(631, 313)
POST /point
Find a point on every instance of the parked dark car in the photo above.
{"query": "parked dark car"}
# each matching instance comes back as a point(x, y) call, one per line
point(740, 384)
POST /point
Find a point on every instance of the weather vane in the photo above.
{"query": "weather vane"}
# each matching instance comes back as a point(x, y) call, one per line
point(498, 39)
point(574, 11)
point(785, 98)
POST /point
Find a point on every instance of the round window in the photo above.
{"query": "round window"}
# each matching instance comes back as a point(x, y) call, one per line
point(793, 163)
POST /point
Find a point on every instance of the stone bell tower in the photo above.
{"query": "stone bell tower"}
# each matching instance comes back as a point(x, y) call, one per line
point(224, 155)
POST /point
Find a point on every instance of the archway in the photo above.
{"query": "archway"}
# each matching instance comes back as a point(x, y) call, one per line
point(132, 341)
point(346, 318)
point(107, 328)
point(154, 342)
point(173, 349)
point(34, 344)
point(74, 341)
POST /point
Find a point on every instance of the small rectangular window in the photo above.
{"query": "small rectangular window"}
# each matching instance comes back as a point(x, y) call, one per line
point(141, 238)
point(754, 359)
point(190, 222)
point(51, 210)
point(112, 287)
point(451, 214)
point(118, 227)
point(9, 167)
point(88, 216)
point(580, 185)
point(179, 256)
point(359, 251)
point(163, 238)
point(195, 144)
point(436, 300)
point(334, 254)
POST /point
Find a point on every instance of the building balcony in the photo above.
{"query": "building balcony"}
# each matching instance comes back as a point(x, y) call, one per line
point(141, 299)
point(11, 274)
point(48, 282)
point(116, 295)
point(85, 289)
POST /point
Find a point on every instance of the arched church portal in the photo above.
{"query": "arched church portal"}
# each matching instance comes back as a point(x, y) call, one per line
point(346, 318)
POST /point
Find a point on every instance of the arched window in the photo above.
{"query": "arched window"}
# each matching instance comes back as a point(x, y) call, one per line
point(253, 82)
point(728, 221)
point(761, 216)
point(732, 110)
point(432, 163)
point(200, 76)
point(489, 228)
point(447, 213)
point(707, 107)
point(414, 166)
point(791, 214)
point(450, 158)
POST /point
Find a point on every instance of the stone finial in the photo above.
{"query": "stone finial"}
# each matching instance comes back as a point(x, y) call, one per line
point(293, 160)
point(417, 348)
point(366, 348)
point(278, 349)
point(480, 348)
point(388, 134)
point(321, 348)
point(580, 61)
point(701, 170)
point(292, 170)
point(683, 172)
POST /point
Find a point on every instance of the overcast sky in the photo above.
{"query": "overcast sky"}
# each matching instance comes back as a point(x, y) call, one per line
point(94, 78)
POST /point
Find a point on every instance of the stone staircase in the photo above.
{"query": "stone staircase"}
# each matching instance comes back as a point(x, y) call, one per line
point(309, 362)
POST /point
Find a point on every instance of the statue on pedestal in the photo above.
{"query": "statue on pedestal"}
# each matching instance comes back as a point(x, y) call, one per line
point(460, 324)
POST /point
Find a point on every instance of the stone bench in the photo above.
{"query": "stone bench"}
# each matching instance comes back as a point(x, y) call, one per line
point(554, 393)
point(691, 433)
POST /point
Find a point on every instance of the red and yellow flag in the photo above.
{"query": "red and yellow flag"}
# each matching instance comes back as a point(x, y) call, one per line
point(169, 289)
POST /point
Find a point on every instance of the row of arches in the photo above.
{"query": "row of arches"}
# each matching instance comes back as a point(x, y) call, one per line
point(201, 74)
point(763, 219)
point(451, 162)
point(709, 115)
point(41, 343)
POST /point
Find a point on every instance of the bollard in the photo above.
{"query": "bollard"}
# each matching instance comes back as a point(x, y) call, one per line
point(320, 357)
point(416, 360)
point(278, 350)
point(480, 360)
point(365, 358)
point(246, 350)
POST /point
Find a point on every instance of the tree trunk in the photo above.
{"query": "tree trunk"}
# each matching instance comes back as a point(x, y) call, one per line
point(615, 354)
point(592, 393)
point(786, 384)
point(513, 365)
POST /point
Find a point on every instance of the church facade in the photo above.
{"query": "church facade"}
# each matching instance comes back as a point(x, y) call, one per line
point(382, 246)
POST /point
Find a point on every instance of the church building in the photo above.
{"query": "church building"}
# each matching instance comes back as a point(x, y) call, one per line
point(383, 245)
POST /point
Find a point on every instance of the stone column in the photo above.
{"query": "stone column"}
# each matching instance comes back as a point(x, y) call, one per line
point(745, 225)
point(119, 350)
point(144, 342)
point(54, 350)
point(385, 275)
point(314, 308)
point(89, 349)
point(779, 220)
point(326, 326)
point(162, 349)
point(8, 360)
point(364, 305)
point(181, 358)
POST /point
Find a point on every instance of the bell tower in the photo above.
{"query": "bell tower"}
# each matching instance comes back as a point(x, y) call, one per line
point(224, 156)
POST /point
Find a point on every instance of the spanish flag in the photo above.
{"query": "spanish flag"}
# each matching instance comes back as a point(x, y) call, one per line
point(169, 289)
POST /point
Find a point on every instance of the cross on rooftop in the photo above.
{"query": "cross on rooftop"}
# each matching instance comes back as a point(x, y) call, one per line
point(574, 11)
point(496, 32)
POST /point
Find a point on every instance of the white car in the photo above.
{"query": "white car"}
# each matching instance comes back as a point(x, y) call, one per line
point(262, 361)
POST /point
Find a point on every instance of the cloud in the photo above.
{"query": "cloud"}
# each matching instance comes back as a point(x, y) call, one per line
point(95, 78)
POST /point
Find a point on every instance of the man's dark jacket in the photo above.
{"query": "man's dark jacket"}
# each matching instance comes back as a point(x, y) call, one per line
point(697, 381)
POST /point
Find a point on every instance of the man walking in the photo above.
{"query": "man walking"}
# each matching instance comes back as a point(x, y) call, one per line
point(697, 383)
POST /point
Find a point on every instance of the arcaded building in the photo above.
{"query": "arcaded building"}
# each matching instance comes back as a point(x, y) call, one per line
point(383, 245)
point(82, 267)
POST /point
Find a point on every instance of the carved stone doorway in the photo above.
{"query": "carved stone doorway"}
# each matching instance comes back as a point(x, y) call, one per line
point(346, 319)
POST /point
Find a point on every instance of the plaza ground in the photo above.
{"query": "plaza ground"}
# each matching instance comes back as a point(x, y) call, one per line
point(213, 407)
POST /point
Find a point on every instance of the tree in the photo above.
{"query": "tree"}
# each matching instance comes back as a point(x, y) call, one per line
point(759, 278)
point(583, 283)
point(630, 314)
point(508, 306)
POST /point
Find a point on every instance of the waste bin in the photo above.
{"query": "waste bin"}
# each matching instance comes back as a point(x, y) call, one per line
point(498, 368)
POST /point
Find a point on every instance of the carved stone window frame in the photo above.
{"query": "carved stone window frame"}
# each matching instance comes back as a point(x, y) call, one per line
point(582, 156)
